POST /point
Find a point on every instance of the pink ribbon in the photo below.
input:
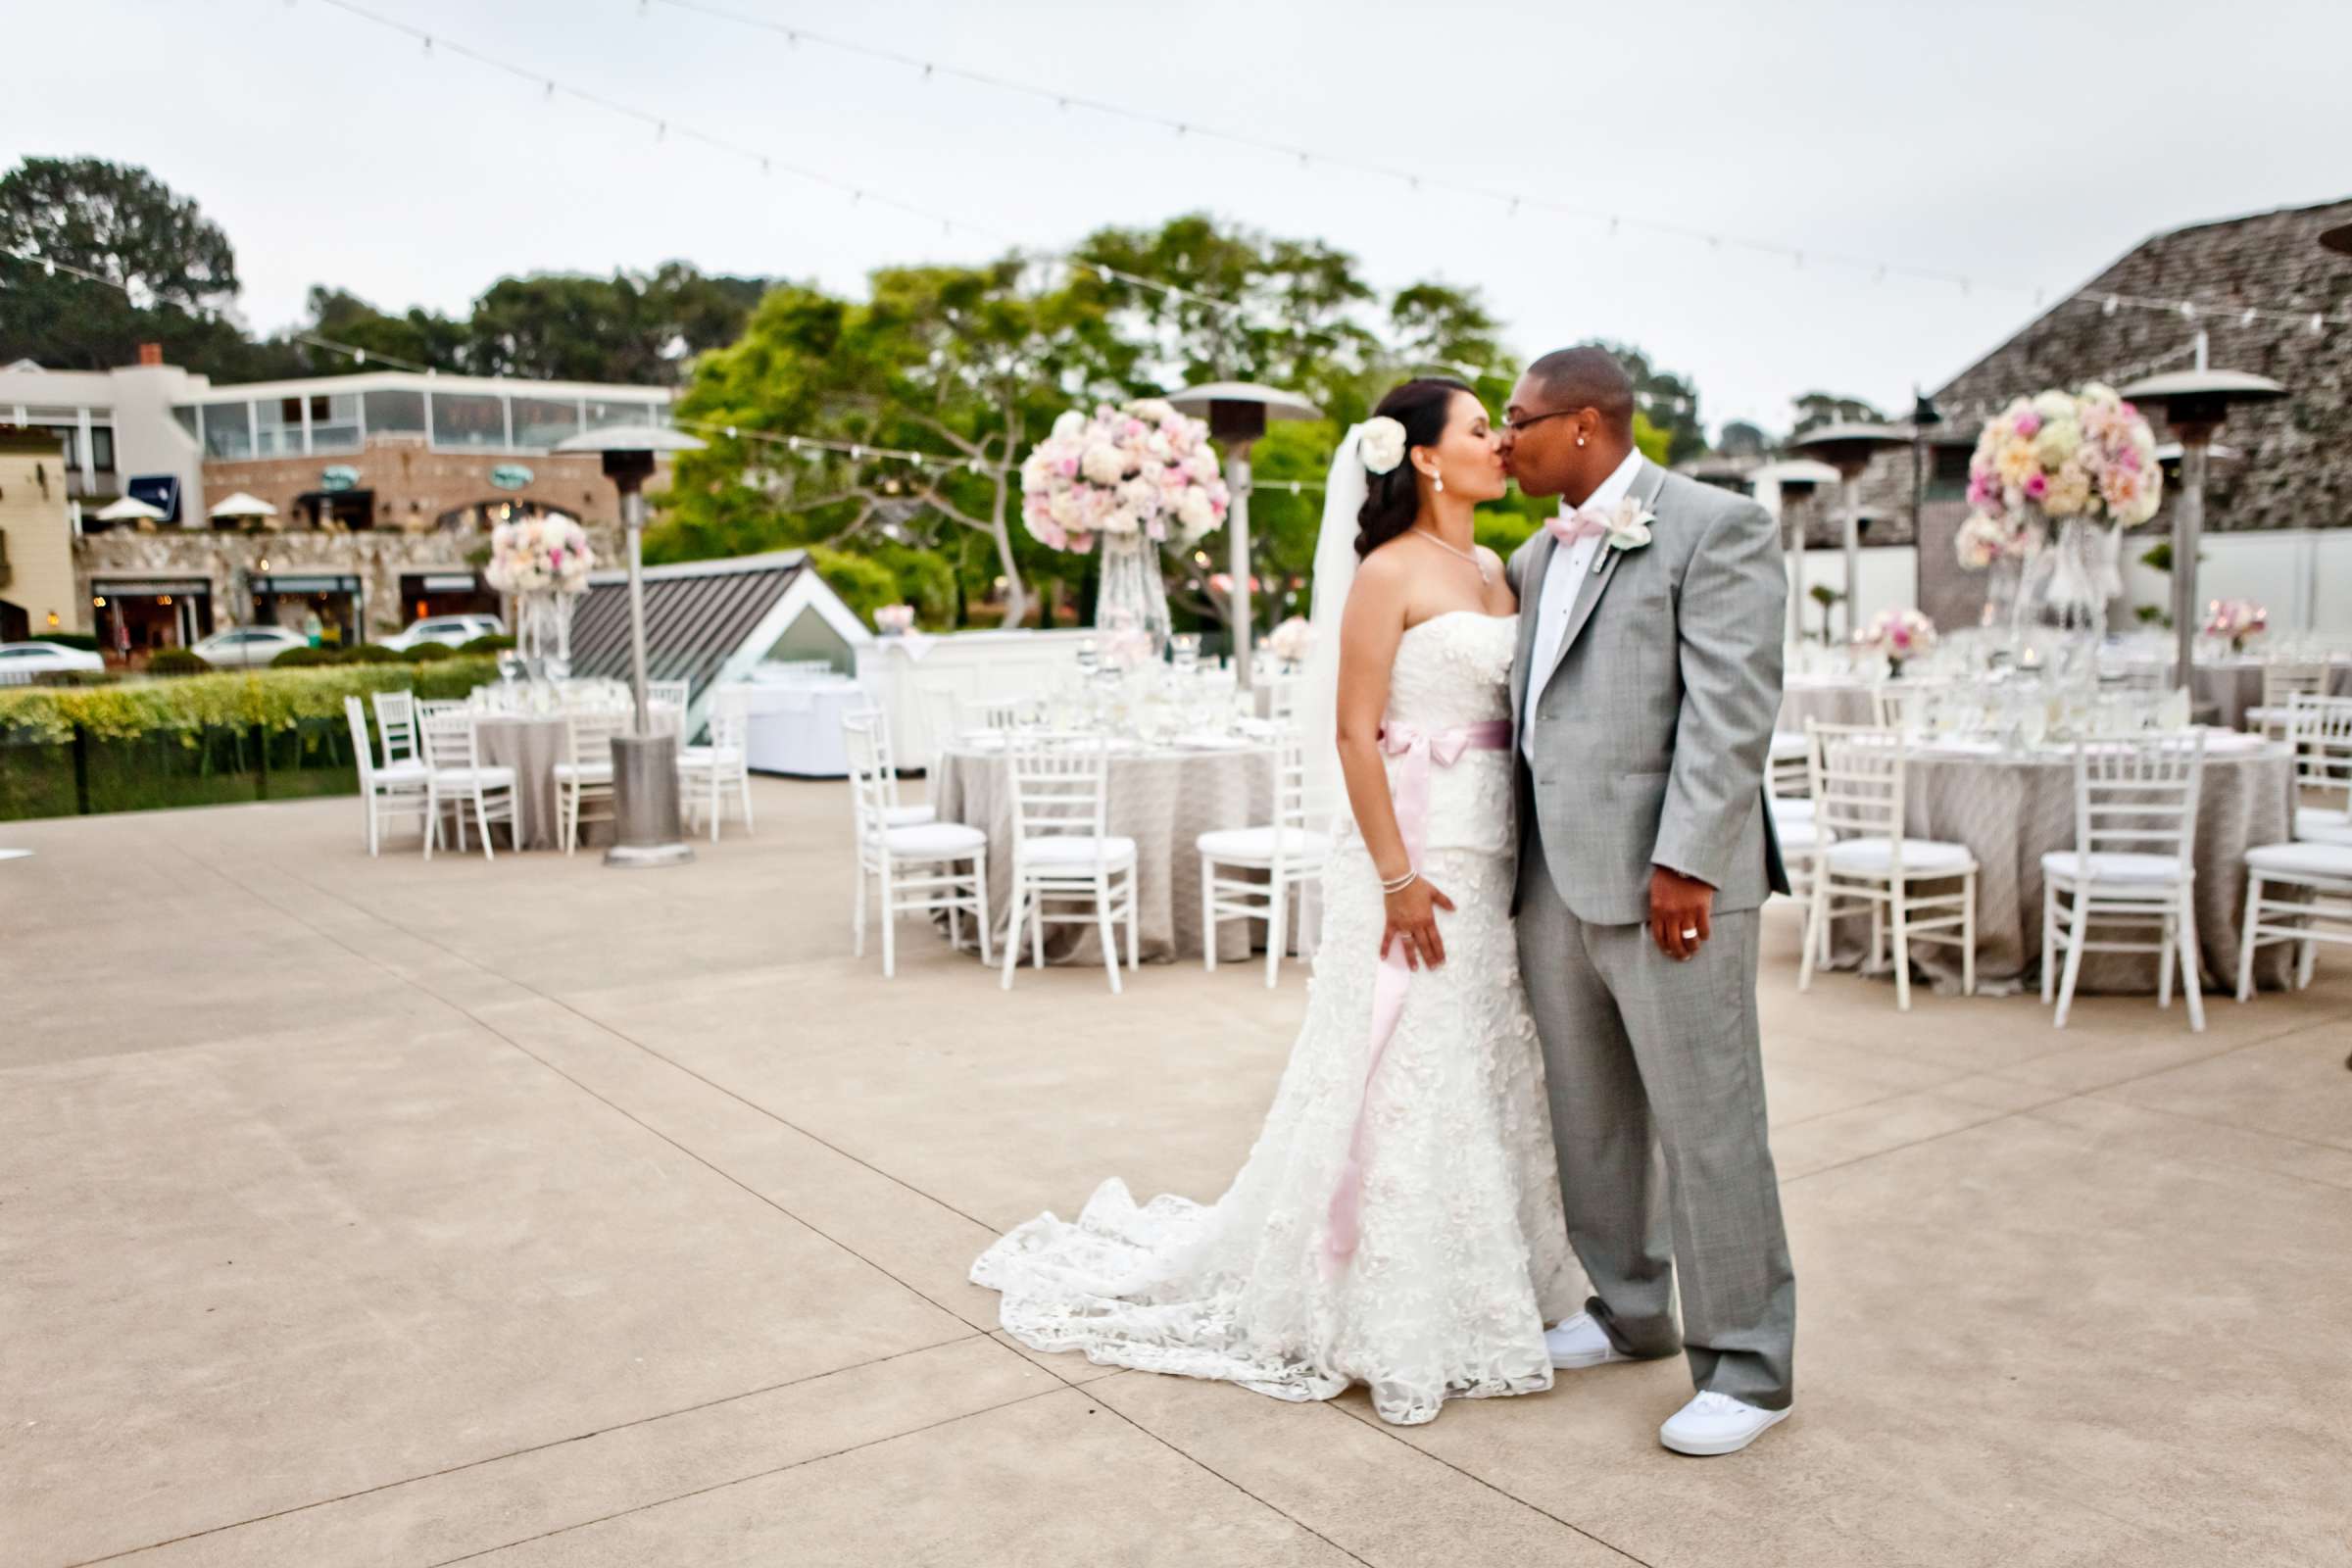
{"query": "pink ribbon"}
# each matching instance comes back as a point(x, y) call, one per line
point(1392, 978)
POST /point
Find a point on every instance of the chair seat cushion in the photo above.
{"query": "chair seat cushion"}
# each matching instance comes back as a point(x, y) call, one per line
point(2332, 860)
point(1801, 839)
point(2112, 866)
point(404, 771)
point(1256, 845)
point(1792, 808)
point(2320, 825)
point(446, 779)
point(1921, 857)
point(1071, 851)
point(909, 815)
point(1787, 744)
point(705, 756)
point(585, 772)
point(936, 840)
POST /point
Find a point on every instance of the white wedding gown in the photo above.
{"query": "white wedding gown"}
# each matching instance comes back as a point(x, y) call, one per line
point(1463, 1255)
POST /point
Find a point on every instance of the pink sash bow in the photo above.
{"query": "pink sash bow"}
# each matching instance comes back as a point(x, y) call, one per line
point(1392, 979)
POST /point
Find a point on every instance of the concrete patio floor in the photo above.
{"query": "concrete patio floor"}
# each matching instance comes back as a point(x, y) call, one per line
point(368, 1212)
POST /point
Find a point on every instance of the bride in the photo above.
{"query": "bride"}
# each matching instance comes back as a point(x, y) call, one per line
point(1398, 1222)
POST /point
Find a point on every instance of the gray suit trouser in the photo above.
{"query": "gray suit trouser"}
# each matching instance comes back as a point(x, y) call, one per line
point(1657, 1109)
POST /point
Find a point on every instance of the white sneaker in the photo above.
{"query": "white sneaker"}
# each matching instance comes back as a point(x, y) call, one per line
point(1717, 1423)
point(1580, 1342)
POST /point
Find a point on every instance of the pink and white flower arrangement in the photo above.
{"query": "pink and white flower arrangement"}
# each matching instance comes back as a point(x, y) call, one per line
point(539, 555)
point(1292, 641)
point(2059, 455)
point(893, 620)
point(1142, 469)
point(1897, 635)
point(2236, 620)
point(1984, 539)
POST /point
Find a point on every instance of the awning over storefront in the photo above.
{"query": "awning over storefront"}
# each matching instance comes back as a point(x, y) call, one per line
point(120, 586)
point(450, 582)
point(303, 583)
point(160, 491)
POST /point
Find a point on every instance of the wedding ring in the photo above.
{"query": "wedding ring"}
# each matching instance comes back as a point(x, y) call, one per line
point(1691, 933)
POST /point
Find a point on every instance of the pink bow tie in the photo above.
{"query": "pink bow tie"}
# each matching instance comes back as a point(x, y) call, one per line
point(1585, 522)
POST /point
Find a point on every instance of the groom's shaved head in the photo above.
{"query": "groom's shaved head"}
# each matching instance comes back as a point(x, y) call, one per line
point(1587, 377)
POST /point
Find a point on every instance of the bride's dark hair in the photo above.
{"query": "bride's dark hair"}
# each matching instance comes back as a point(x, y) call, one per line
point(1392, 500)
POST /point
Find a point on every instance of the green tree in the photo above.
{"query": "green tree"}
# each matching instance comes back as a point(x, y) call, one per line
point(1817, 409)
point(173, 269)
point(1741, 439)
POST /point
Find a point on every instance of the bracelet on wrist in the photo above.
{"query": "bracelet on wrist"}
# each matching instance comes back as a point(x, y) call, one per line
point(1399, 884)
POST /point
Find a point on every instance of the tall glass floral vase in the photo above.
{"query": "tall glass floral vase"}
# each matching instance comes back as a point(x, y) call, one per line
point(543, 635)
point(1133, 596)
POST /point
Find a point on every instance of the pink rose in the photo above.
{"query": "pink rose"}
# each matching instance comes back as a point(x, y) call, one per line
point(2028, 423)
point(2037, 487)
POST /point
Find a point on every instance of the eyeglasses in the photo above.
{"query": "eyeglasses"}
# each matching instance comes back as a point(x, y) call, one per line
point(1516, 425)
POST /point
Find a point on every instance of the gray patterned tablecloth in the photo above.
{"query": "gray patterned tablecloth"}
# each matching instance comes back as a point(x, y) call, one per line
point(2011, 809)
point(1824, 701)
point(1163, 800)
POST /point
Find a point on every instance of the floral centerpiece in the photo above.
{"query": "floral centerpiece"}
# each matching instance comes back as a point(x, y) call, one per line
point(2085, 462)
point(893, 620)
point(1897, 635)
point(544, 562)
point(1292, 641)
point(1137, 476)
point(2236, 620)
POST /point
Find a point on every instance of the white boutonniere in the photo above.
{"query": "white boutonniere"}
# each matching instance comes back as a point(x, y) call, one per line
point(1628, 529)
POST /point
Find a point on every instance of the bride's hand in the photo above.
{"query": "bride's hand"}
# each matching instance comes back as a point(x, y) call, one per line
point(1413, 921)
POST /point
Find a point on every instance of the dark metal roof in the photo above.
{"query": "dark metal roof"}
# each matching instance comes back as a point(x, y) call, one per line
point(697, 617)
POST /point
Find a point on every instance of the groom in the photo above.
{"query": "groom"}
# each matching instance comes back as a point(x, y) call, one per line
point(1647, 679)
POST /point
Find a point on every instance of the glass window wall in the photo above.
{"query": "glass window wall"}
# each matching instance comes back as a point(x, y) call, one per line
point(395, 412)
point(468, 419)
point(228, 429)
point(541, 422)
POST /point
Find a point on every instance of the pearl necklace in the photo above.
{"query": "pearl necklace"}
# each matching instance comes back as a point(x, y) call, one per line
point(1470, 556)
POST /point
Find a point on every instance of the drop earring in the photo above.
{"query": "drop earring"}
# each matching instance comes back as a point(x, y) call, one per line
point(1440, 480)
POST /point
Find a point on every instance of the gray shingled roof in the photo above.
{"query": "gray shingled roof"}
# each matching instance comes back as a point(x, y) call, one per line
point(697, 617)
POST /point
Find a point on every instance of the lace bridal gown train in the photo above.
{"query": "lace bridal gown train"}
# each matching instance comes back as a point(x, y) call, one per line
point(1397, 1223)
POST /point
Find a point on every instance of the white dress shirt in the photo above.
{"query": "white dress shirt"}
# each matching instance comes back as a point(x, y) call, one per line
point(1556, 595)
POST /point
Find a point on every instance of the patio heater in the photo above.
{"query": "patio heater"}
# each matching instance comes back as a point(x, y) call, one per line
point(1796, 489)
point(1237, 412)
point(2194, 402)
point(1848, 446)
point(647, 830)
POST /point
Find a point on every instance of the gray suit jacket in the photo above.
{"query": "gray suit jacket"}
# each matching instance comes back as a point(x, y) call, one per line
point(1650, 730)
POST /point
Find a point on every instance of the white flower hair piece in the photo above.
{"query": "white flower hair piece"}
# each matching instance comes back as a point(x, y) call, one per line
point(1381, 444)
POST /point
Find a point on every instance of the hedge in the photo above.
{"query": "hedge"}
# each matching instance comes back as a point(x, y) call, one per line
point(273, 699)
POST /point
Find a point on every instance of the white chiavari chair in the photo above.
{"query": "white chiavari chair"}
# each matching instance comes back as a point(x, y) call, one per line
point(940, 706)
point(2319, 729)
point(1064, 852)
point(395, 721)
point(895, 811)
point(2132, 867)
point(1286, 851)
point(1872, 865)
point(709, 772)
point(584, 777)
point(456, 777)
point(915, 864)
point(395, 788)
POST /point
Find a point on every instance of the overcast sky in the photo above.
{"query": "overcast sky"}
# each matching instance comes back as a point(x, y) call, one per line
point(2023, 145)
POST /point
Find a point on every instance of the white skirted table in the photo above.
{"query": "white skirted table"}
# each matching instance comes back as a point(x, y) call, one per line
point(795, 726)
point(1163, 797)
point(2011, 807)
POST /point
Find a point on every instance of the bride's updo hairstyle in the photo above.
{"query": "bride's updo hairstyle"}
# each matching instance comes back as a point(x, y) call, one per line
point(1392, 500)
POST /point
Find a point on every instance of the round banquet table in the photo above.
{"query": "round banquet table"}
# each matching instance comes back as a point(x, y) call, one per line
point(1826, 701)
point(531, 744)
point(2230, 688)
point(1162, 798)
point(2010, 809)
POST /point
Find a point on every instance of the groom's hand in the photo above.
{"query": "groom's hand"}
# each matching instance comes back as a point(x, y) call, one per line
point(1679, 907)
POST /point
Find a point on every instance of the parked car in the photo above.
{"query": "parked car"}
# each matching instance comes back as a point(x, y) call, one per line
point(21, 662)
point(247, 647)
point(452, 632)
